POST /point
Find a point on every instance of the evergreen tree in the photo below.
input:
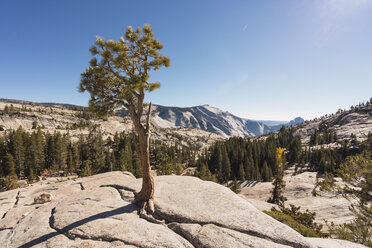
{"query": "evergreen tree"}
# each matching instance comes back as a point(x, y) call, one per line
point(249, 167)
point(136, 165)
point(70, 161)
point(226, 166)
point(17, 150)
point(2, 156)
point(96, 151)
point(205, 174)
point(108, 161)
point(241, 174)
point(266, 177)
point(9, 165)
point(87, 168)
point(60, 152)
point(235, 186)
point(257, 172)
point(49, 152)
point(120, 79)
point(277, 191)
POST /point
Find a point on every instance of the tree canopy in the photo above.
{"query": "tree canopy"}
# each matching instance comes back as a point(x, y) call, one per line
point(118, 75)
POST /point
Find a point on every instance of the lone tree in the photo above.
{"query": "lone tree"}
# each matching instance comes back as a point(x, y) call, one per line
point(118, 77)
point(277, 196)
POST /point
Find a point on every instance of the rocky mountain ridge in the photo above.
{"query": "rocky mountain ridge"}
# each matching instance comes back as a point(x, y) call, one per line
point(354, 122)
point(76, 121)
point(213, 120)
point(203, 117)
point(206, 123)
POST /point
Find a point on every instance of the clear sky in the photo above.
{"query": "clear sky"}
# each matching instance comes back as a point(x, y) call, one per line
point(256, 59)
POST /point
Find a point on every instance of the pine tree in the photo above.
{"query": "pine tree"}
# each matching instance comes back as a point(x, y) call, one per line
point(249, 167)
point(226, 166)
point(235, 186)
point(17, 150)
point(108, 161)
point(257, 172)
point(136, 165)
point(120, 79)
point(265, 173)
point(70, 161)
point(2, 156)
point(205, 174)
point(49, 152)
point(241, 172)
point(60, 151)
point(87, 168)
point(96, 151)
point(219, 163)
point(277, 191)
point(10, 181)
point(76, 156)
point(9, 165)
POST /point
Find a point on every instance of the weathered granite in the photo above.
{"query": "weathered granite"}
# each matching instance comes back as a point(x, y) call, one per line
point(212, 236)
point(191, 200)
point(98, 211)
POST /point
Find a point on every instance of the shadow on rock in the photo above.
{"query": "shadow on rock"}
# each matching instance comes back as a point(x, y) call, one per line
point(126, 209)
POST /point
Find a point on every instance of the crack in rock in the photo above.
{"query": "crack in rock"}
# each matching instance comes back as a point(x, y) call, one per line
point(173, 226)
point(14, 205)
point(6, 228)
point(169, 218)
point(64, 231)
point(4, 214)
point(17, 198)
point(82, 186)
point(121, 188)
point(123, 191)
point(185, 220)
point(117, 186)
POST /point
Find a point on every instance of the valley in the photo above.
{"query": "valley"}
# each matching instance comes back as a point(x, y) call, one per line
point(199, 141)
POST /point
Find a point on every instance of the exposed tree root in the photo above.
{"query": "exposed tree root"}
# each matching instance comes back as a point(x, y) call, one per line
point(147, 212)
point(147, 208)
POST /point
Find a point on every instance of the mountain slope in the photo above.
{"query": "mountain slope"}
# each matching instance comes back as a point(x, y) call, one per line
point(213, 120)
point(205, 118)
point(354, 122)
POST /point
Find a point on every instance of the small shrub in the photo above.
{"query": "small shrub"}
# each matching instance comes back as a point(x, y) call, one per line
point(8, 183)
point(302, 222)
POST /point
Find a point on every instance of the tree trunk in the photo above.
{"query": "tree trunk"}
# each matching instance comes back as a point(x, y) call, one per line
point(145, 198)
point(147, 192)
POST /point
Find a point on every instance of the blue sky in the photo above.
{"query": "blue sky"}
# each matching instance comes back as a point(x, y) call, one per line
point(255, 59)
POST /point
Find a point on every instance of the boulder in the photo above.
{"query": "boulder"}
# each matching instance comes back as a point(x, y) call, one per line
point(43, 198)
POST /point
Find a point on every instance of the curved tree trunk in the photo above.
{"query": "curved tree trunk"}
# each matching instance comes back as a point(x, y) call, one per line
point(147, 192)
point(145, 198)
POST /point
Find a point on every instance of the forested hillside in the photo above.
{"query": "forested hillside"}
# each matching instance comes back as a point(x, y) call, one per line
point(25, 155)
point(257, 159)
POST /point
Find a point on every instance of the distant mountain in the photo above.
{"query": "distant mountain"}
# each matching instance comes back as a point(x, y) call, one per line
point(271, 123)
point(295, 121)
point(278, 124)
point(213, 120)
point(46, 104)
point(203, 117)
